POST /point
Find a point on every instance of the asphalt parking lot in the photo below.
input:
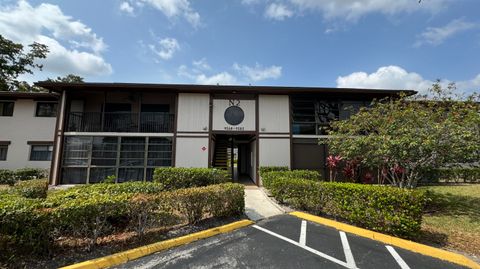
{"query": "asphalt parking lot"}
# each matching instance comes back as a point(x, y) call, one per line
point(287, 242)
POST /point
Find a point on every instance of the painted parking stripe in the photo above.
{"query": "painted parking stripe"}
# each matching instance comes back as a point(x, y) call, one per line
point(303, 233)
point(397, 257)
point(321, 254)
point(347, 250)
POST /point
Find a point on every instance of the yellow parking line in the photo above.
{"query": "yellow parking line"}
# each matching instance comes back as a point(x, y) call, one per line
point(132, 254)
point(391, 240)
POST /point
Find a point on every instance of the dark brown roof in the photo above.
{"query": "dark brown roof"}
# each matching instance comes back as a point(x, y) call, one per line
point(60, 86)
point(28, 95)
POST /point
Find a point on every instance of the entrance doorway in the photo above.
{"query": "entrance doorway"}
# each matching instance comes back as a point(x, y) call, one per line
point(237, 155)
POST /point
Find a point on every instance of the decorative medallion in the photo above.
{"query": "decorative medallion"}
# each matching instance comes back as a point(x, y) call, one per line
point(234, 115)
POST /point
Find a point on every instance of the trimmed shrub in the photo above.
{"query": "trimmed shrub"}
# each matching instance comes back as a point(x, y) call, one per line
point(216, 200)
point(178, 177)
point(380, 208)
point(30, 173)
point(269, 177)
point(7, 177)
point(24, 224)
point(35, 188)
point(265, 169)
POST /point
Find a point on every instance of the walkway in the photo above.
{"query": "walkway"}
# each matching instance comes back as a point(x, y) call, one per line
point(257, 204)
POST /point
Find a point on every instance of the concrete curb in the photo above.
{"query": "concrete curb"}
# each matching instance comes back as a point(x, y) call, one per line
point(132, 254)
point(391, 240)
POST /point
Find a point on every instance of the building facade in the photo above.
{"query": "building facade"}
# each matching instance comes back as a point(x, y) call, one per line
point(27, 124)
point(127, 130)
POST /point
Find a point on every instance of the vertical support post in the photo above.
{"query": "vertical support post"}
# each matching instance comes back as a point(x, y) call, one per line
point(58, 141)
point(139, 112)
point(145, 160)
point(103, 110)
point(232, 157)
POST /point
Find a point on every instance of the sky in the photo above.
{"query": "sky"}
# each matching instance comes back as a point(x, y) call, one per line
point(392, 44)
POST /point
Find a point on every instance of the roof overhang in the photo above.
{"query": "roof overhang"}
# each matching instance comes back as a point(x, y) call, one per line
point(14, 95)
point(224, 89)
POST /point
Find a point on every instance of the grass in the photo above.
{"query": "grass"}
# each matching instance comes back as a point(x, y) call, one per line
point(452, 219)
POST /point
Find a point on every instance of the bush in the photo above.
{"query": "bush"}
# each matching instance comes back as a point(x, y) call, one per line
point(35, 188)
point(179, 177)
point(269, 177)
point(265, 169)
point(380, 208)
point(30, 173)
point(7, 177)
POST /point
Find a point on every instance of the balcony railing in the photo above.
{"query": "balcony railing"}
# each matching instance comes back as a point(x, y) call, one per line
point(145, 122)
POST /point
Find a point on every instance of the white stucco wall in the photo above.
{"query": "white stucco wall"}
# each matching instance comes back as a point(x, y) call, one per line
point(22, 127)
point(218, 117)
point(190, 153)
point(274, 152)
point(193, 112)
point(273, 114)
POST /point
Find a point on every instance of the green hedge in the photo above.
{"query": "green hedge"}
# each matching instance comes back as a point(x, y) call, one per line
point(87, 213)
point(10, 176)
point(179, 177)
point(452, 175)
point(265, 169)
point(380, 208)
point(35, 188)
point(269, 177)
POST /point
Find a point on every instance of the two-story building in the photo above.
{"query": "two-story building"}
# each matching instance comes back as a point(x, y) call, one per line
point(27, 124)
point(127, 129)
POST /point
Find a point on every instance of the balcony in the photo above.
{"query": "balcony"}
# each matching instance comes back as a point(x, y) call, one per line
point(145, 122)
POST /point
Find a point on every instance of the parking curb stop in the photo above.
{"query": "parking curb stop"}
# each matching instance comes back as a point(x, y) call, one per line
point(132, 254)
point(391, 240)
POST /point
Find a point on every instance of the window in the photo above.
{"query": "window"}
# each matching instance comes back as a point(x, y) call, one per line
point(90, 159)
point(6, 109)
point(312, 115)
point(3, 150)
point(46, 109)
point(41, 152)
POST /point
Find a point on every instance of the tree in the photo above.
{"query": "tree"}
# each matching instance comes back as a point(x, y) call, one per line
point(399, 138)
point(70, 78)
point(14, 61)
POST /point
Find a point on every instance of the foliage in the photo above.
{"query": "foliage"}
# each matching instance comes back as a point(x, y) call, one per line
point(266, 169)
point(380, 208)
point(7, 177)
point(87, 213)
point(269, 177)
point(14, 61)
point(452, 174)
point(70, 78)
point(10, 176)
point(179, 177)
point(398, 138)
point(35, 188)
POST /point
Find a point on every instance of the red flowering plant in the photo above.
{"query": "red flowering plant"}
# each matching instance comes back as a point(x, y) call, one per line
point(332, 163)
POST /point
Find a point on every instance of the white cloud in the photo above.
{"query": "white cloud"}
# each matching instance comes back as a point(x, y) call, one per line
point(278, 12)
point(395, 77)
point(166, 48)
point(354, 9)
point(437, 35)
point(174, 9)
point(259, 72)
point(200, 72)
point(127, 8)
point(74, 47)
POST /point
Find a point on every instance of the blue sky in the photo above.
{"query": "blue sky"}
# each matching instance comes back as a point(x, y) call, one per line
point(348, 43)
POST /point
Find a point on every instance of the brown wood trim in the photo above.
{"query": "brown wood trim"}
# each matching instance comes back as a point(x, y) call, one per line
point(49, 143)
point(192, 136)
point(55, 171)
point(193, 132)
point(5, 143)
point(274, 137)
point(235, 132)
point(290, 114)
point(174, 138)
point(257, 147)
point(210, 119)
point(270, 133)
